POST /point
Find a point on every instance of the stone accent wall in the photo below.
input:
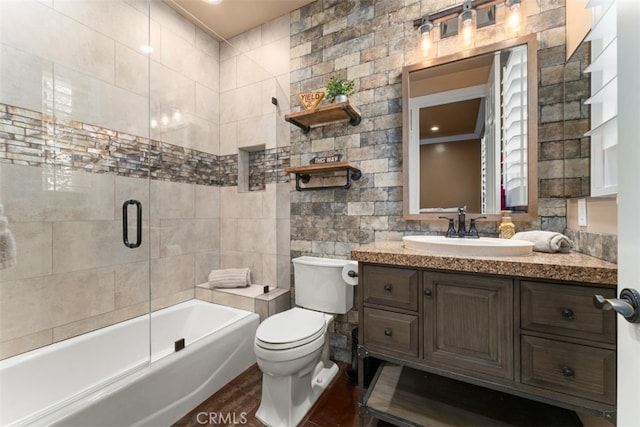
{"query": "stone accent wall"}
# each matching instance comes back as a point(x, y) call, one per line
point(603, 246)
point(370, 41)
point(563, 150)
point(32, 138)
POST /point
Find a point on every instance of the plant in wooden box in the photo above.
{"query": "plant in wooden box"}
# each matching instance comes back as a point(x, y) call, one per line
point(338, 89)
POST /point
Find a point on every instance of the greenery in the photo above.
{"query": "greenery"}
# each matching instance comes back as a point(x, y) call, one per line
point(337, 86)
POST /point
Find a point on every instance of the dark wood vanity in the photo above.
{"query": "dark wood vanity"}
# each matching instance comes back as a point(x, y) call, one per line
point(525, 326)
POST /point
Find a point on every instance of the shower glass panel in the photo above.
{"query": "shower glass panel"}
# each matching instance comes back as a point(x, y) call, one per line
point(74, 147)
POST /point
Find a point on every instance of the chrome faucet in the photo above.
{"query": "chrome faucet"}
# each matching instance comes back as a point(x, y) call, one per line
point(462, 228)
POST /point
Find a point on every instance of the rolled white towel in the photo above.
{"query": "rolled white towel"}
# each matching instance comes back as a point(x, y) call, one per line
point(230, 278)
point(545, 241)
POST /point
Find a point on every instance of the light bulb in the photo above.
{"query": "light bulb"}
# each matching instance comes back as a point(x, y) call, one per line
point(467, 25)
point(425, 43)
point(467, 32)
point(425, 37)
point(515, 17)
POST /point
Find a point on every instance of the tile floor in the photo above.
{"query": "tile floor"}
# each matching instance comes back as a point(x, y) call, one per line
point(237, 403)
point(241, 397)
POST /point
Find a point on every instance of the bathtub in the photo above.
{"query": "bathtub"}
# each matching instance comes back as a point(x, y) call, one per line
point(104, 378)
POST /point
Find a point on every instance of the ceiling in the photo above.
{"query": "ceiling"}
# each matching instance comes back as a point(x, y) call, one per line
point(232, 17)
point(455, 118)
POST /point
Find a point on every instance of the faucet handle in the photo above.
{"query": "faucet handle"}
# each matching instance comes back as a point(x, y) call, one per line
point(473, 231)
point(451, 229)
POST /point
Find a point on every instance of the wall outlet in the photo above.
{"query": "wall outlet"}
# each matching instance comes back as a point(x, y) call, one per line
point(582, 212)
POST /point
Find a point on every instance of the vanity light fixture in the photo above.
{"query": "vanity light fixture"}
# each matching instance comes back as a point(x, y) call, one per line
point(515, 16)
point(426, 36)
point(467, 24)
point(463, 20)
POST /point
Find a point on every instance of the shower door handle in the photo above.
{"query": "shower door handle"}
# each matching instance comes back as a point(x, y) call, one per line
point(125, 223)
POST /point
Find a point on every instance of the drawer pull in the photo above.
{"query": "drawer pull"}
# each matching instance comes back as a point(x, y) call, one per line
point(388, 287)
point(568, 314)
point(567, 372)
point(388, 332)
point(427, 292)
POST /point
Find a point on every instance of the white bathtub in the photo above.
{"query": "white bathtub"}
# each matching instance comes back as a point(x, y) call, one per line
point(104, 378)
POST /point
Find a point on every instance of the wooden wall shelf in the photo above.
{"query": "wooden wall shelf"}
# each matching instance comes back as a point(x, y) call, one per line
point(303, 174)
point(340, 111)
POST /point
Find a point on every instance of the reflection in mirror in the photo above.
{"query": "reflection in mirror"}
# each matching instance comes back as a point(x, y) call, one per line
point(467, 127)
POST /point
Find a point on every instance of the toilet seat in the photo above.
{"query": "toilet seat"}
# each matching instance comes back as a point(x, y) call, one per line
point(290, 329)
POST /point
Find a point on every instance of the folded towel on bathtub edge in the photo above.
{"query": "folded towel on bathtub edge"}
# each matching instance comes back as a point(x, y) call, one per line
point(545, 241)
point(230, 278)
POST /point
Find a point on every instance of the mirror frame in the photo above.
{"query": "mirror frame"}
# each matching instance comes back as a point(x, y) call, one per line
point(532, 124)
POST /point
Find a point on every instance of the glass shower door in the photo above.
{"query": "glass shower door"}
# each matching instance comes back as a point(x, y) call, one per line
point(74, 149)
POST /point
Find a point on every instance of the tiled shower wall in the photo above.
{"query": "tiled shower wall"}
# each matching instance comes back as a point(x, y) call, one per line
point(370, 41)
point(254, 97)
point(74, 144)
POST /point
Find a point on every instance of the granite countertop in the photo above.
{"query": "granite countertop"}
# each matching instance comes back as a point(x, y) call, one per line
point(573, 266)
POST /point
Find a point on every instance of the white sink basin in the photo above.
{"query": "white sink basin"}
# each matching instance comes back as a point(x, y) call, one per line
point(484, 246)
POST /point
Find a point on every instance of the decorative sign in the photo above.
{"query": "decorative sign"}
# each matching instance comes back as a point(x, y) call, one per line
point(310, 100)
point(325, 159)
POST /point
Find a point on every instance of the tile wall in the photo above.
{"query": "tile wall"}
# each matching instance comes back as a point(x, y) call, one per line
point(254, 70)
point(370, 41)
point(81, 129)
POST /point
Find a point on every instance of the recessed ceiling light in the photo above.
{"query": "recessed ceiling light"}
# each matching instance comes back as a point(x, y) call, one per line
point(146, 49)
point(213, 1)
point(434, 128)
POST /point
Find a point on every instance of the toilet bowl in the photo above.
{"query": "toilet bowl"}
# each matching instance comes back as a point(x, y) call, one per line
point(292, 348)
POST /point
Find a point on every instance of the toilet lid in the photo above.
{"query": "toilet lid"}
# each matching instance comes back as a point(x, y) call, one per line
point(290, 328)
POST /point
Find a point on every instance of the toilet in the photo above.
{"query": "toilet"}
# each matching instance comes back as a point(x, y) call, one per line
point(292, 347)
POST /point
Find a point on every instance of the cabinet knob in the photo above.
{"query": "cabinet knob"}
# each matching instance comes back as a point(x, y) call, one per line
point(427, 292)
point(388, 287)
point(388, 332)
point(568, 314)
point(567, 372)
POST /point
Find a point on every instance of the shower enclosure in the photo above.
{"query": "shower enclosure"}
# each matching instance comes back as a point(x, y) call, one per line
point(113, 179)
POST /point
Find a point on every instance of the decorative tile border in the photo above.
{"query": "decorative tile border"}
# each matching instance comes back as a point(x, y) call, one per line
point(35, 139)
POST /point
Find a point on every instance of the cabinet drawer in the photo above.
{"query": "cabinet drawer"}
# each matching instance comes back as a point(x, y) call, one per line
point(394, 287)
point(391, 331)
point(577, 370)
point(566, 310)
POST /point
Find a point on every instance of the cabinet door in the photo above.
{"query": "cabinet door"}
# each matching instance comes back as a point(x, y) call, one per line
point(468, 323)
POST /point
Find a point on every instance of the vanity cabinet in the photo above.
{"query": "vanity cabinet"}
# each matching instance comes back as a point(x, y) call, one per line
point(391, 310)
point(468, 324)
point(538, 339)
point(567, 346)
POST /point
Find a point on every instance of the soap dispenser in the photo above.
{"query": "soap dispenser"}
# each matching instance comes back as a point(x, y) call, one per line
point(506, 229)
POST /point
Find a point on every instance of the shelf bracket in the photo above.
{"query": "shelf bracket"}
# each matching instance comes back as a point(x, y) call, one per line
point(354, 119)
point(305, 128)
point(351, 174)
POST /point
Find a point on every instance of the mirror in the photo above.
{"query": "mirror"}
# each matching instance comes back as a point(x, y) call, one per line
point(470, 132)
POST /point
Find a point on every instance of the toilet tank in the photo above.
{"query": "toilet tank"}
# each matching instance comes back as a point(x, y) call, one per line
point(319, 285)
